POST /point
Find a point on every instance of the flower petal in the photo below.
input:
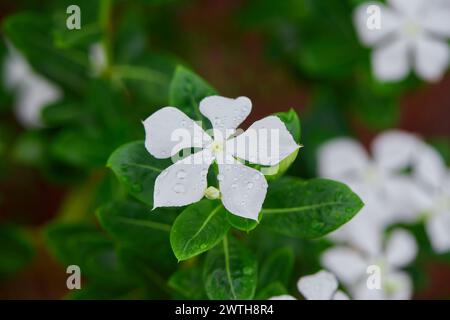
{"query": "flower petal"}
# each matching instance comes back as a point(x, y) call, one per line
point(342, 157)
point(361, 292)
point(405, 198)
point(35, 93)
point(432, 58)
point(408, 7)
point(340, 295)
point(438, 227)
point(168, 130)
point(390, 61)
point(243, 189)
point(395, 150)
point(401, 248)
point(266, 142)
point(436, 20)
point(283, 297)
point(184, 182)
point(389, 22)
point(319, 286)
point(429, 167)
point(398, 286)
point(225, 114)
point(345, 263)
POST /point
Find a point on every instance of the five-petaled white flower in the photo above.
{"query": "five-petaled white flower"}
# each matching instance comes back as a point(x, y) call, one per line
point(322, 285)
point(411, 33)
point(353, 268)
point(242, 189)
point(386, 183)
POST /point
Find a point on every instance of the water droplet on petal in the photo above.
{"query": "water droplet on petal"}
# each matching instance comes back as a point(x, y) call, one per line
point(179, 188)
point(249, 185)
point(242, 203)
point(220, 177)
point(234, 186)
point(181, 174)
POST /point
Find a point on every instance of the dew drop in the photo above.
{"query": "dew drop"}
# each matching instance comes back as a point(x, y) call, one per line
point(179, 188)
point(220, 177)
point(249, 185)
point(181, 174)
point(234, 186)
point(183, 123)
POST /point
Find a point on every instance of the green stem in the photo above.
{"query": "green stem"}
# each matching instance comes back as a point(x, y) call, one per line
point(105, 24)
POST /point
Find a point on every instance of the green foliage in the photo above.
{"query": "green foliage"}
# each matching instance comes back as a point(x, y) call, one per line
point(187, 90)
point(308, 209)
point(230, 272)
point(197, 229)
point(16, 250)
point(137, 170)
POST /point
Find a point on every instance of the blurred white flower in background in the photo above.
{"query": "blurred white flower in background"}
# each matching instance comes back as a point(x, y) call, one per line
point(351, 265)
point(33, 92)
point(389, 191)
point(97, 59)
point(434, 176)
point(412, 35)
point(322, 285)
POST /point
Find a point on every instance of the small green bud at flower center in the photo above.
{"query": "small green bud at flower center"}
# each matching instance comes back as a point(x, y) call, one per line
point(411, 28)
point(212, 193)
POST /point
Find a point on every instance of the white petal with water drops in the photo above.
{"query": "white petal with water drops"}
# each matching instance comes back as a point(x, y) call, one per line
point(243, 189)
point(266, 142)
point(225, 114)
point(184, 182)
point(168, 130)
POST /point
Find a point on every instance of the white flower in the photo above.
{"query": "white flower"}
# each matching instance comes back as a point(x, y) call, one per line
point(434, 176)
point(243, 189)
point(351, 268)
point(319, 286)
point(389, 194)
point(33, 92)
point(412, 34)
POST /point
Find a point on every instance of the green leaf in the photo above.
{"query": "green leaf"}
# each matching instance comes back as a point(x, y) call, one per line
point(272, 290)
point(16, 250)
point(241, 223)
point(137, 170)
point(187, 282)
point(187, 90)
point(134, 223)
point(198, 228)
point(230, 272)
point(308, 209)
point(277, 267)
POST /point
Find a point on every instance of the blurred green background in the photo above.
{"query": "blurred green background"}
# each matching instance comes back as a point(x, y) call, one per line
point(301, 54)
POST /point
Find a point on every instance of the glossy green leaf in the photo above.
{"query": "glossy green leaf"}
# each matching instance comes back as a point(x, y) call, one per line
point(241, 223)
point(132, 222)
point(308, 209)
point(230, 272)
point(272, 290)
point(198, 228)
point(187, 90)
point(137, 170)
